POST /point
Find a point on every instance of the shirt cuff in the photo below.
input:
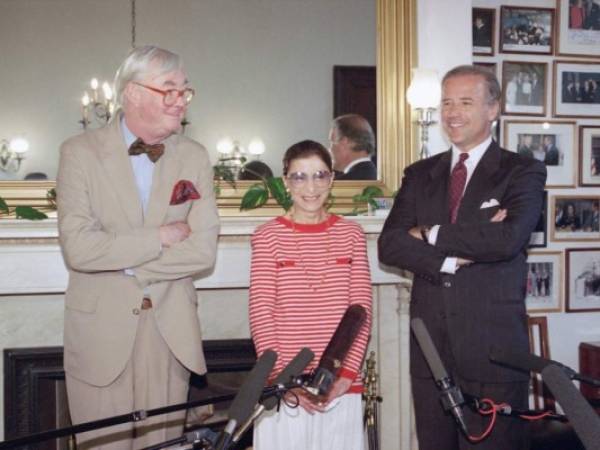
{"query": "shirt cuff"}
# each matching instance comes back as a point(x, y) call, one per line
point(449, 265)
point(433, 234)
point(347, 373)
point(129, 272)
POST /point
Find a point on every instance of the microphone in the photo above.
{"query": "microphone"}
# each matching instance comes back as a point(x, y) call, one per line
point(243, 404)
point(528, 362)
point(336, 350)
point(451, 396)
point(581, 415)
point(292, 370)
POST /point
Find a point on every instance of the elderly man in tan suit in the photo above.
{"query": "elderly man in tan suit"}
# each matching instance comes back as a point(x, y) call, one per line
point(137, 222)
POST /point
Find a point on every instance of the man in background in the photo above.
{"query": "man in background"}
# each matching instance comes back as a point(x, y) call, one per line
point(352, 142)
point(137, 222)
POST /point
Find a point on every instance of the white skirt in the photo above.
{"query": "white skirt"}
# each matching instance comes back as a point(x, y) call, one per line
point(339, 428)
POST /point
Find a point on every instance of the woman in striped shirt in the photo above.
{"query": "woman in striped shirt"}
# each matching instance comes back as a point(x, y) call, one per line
point(307, 268)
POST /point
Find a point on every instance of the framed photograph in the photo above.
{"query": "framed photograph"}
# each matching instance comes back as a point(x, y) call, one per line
point(539, 236)
point(524, 88)
point(575, 218)
point(578, 28)
point(491, 66)
point(589, 156)
point(549, 141)
point(526, 30)
point(484, 20)
point(583, 279)
point(576, 90)
point(544, 282)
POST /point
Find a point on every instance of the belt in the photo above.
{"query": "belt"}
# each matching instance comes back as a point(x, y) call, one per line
point(146, 303)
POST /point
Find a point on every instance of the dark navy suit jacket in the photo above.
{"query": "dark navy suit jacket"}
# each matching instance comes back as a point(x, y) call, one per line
point(482, 305)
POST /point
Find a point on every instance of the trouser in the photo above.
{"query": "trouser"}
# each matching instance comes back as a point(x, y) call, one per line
point(152, 378)
point(437, 429)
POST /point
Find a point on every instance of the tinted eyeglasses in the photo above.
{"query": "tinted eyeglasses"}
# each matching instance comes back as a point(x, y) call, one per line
point(170, 96)
point(320, 178)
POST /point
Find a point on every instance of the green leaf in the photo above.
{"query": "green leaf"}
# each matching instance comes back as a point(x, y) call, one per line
point(372, 191)
point(29, 213)
point(255, 197)
point(277, 189)
point(3, 206)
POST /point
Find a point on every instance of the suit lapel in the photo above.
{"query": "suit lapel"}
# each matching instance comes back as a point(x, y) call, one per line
point(164, 178)
point(481, 183)
point(436, 199)
point(115, 160)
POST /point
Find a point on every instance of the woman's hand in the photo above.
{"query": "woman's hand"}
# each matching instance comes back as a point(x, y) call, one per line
point(339, 388)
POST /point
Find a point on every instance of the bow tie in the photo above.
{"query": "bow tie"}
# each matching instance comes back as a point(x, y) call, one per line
point(154, 151)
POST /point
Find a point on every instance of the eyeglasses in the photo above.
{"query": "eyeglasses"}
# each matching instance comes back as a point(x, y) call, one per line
point(320, 178)
point(170, 96)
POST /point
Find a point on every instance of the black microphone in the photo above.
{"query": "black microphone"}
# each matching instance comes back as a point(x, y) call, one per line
point(528, 362)
point(292, 370)
point(451, 395)
point(336, 350)
point(581, 415)
point(243, 404)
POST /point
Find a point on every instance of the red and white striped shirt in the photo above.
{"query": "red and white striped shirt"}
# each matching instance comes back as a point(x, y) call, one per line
point(303, 278)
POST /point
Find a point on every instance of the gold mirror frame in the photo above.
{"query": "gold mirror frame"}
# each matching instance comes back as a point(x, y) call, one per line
point(396, 54)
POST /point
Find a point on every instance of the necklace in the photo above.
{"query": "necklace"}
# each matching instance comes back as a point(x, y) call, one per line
point(303, 263)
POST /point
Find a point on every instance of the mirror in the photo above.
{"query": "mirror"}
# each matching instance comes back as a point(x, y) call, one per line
point(105, 36)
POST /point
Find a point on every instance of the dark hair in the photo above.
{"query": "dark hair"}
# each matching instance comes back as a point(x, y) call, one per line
point(306, 149)
point(255, 170)
point(356, 129)
point(494, 91)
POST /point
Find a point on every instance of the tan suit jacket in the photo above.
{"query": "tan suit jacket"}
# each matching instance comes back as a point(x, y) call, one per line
point(103, 231)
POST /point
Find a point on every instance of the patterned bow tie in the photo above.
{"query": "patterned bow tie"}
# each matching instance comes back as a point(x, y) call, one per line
point(154, 151)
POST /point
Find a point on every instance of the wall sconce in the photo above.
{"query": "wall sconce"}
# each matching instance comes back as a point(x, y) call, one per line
point(12, 153)
point(423, 95)
point(232, 155)
point(99, 109)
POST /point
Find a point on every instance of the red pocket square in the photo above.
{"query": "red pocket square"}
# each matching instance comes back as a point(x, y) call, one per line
point(183, 191)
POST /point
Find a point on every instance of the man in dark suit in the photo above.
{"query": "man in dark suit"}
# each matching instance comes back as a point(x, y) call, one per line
point(461, 223)
point(352, 142)
point(552, 157)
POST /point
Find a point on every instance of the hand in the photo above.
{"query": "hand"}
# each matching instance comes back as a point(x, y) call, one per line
point(499, 216)
point(339, 388)
point(306, 400)
point(463, 262)
point(172, 233)
point(416, 233)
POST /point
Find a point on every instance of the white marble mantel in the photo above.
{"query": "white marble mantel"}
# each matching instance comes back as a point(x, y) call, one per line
point(33, 279)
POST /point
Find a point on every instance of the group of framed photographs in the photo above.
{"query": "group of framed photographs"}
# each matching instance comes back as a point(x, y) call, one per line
point(534, 30)
point(552, 82)
point(581, 275)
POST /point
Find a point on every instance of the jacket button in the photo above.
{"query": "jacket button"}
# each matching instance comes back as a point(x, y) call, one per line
point(447, 284)
point(135, 311)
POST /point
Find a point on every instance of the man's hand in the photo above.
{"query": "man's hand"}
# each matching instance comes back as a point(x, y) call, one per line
point(172, 233)
point(416, 233)
point(499, 216)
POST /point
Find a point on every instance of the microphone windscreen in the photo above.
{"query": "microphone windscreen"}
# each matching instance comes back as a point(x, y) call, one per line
point(295, 368)
point(524, 361)
point(247, 397)
point(343, 338)
point(428, 348)
point(581, 415)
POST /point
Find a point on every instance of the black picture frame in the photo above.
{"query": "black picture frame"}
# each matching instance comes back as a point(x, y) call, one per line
point(483, 24)
point(539, 235)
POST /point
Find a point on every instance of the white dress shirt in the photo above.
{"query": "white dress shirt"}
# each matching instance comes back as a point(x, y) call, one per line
point(475, 154)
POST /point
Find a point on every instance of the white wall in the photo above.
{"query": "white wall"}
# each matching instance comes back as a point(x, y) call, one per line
point(260, 67)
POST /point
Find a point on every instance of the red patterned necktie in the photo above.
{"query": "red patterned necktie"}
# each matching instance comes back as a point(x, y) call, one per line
point(154, 151)
point(458, 179)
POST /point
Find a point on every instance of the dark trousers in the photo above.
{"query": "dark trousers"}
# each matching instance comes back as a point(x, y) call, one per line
point(437, 429)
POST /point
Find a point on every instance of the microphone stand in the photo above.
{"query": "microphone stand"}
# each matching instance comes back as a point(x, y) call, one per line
point(372, 400)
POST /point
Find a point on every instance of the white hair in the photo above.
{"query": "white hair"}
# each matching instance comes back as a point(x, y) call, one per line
point(137, 65)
